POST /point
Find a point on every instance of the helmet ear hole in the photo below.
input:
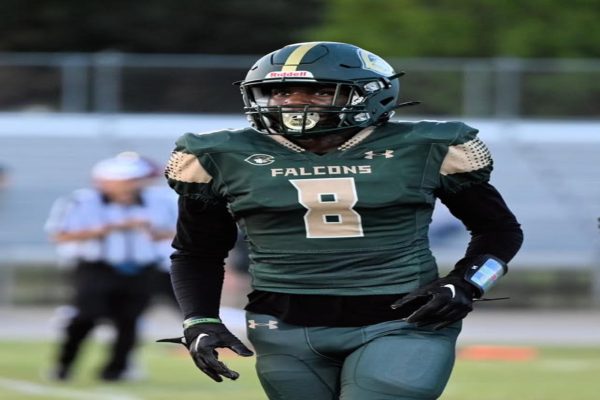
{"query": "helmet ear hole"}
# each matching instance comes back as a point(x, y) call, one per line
point(386, 101)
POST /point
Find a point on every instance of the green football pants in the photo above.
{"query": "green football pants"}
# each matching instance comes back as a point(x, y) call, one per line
point(390, 360)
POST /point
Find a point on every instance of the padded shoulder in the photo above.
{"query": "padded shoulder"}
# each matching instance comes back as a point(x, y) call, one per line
point(202, 143)
point(448, 132)
point(188, 172)
point(467, 160)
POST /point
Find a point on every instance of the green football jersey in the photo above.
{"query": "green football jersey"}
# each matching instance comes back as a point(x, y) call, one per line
point(350, 222)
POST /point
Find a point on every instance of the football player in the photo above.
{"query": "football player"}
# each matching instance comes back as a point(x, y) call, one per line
point(335, 201)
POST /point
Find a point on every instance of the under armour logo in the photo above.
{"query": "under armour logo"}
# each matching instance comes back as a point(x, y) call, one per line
point(387, 154)
point(252, 324)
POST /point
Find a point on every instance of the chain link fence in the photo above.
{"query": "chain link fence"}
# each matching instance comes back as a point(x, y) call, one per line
point(137, 83)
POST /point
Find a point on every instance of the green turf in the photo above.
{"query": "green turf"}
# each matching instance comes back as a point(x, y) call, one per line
point(556, 374)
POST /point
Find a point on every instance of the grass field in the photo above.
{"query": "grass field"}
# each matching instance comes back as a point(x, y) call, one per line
point(549, 373)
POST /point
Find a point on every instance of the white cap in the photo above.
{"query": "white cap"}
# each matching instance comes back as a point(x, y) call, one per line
point(121, 168)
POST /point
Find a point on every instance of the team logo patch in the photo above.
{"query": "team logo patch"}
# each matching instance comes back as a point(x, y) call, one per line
point(252, 324)
point(387, 154)
point(374, 63)
point(260, 159)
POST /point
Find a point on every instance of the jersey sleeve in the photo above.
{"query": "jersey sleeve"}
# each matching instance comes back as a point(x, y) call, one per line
point(468, 161)
point(185, 172)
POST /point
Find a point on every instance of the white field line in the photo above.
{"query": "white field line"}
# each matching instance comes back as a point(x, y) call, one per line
point(47, 391)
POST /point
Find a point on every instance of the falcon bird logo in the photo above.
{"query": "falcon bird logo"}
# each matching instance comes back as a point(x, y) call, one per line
point(260, 159)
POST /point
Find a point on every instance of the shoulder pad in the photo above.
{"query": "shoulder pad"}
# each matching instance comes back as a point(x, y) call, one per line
point(188, 170)
point(429, 131)
point(201, 143)
point(451, 132)
point(184, 165)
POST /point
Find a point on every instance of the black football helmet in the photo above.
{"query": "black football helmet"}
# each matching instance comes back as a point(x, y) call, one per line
point(366, 89)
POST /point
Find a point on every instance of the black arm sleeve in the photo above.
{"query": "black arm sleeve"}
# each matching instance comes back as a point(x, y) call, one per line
point(205, 234)
point(493, 227)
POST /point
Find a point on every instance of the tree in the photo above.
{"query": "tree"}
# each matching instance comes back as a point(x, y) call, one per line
point(154, 26)
point(465, 28)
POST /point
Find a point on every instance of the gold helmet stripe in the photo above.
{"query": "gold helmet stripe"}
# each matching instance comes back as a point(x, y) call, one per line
point(291, 64)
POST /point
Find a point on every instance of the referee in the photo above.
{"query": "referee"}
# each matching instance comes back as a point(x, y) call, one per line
point(110, 233)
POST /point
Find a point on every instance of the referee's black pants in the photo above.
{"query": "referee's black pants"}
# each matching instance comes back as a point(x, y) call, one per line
point(102, 293)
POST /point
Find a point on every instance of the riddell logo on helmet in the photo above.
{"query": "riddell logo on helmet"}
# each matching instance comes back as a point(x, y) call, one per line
point(289, 74)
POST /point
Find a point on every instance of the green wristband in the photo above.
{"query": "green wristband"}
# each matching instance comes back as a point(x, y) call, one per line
point(196, 320)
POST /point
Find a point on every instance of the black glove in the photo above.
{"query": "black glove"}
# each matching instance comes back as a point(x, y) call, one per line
point(442, 302)
point(201, 341)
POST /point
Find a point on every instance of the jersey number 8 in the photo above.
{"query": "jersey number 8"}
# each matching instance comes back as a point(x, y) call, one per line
point(330, 203)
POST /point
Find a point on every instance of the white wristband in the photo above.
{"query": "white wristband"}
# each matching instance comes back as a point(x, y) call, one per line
point(484, 273)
